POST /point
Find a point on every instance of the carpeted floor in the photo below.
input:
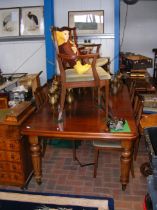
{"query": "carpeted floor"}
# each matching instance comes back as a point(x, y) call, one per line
point(63, 175)
point(33, 201)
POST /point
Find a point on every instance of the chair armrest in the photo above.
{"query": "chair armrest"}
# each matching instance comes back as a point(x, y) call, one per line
point(88, 48)
point(74, 57)
point(67, 57)
point(92, 57)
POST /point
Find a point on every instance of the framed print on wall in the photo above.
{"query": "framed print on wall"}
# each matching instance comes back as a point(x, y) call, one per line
point(32, 21)
point(9, 22)
point(87, 22)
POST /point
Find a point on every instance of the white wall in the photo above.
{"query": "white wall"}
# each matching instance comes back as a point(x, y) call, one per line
point(141, 30)
point(30, 57)
point(107, 40)
point(23, 56)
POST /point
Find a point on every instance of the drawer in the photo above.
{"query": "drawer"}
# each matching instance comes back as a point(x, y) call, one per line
point(11, 178)
point(17, 178)
point(2, 155)
point(10, 131)
point(9, 166)
point(10, 156)
point(13, 156)
point(13, 145)
point(4, 176)
point(7, 144)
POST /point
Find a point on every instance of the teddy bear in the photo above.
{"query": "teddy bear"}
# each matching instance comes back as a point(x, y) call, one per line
point(66, 46)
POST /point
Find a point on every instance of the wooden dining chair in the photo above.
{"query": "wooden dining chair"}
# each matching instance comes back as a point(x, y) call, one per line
point(106, 146)
point(41, 98)
point(95, 77)
point(132, 91)
point(88, 48)
point(116, 146)
point(138, 114)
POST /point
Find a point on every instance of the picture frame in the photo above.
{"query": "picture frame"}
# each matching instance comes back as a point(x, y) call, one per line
point(87, 22)
point(9, 22)
point(32, 21)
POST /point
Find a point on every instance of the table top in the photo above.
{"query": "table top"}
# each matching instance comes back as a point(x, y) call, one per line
point(83, 119)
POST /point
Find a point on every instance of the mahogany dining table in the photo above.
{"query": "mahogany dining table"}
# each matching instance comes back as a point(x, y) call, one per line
point(83, 120)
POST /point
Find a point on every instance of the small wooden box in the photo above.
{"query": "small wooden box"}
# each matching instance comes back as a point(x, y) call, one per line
point(137, 62)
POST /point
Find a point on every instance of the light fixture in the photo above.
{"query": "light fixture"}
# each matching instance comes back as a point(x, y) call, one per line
point(130, 1)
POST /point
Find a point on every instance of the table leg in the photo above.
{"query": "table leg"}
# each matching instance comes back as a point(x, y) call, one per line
point(126, 161)
point(35, 148)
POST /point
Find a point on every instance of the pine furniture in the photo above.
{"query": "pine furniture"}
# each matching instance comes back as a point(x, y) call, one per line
point(15, 160)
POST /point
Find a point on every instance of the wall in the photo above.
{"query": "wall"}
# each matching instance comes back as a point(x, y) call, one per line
point(107, 39)
point(23, 56)
point(141, 29)
point(29, 56)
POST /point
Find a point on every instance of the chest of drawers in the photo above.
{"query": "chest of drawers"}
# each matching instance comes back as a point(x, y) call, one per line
point(15, 158)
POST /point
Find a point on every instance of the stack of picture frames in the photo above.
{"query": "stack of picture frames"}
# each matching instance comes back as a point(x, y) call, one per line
point(21, 22)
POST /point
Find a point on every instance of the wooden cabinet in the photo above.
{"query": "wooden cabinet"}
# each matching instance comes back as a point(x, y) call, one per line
point(15, 158)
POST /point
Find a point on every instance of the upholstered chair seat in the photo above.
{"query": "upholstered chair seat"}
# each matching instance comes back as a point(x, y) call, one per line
point(102, 61)
point(72, 76)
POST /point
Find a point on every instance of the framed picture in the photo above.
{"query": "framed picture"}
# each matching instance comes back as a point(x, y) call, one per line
point(32, 21)
point(9, 22)
point(87, 22)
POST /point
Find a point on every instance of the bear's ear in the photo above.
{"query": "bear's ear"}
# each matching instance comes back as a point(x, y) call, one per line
point(60, 37)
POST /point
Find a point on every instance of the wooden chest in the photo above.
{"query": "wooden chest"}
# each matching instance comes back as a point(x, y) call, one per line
point(15, 158)
point(137, 62)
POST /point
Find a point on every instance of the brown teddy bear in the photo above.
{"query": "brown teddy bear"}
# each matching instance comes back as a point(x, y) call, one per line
point(69, 48)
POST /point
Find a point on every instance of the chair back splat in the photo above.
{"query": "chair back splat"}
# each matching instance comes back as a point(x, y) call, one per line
point(138, 111)
point(77, 70)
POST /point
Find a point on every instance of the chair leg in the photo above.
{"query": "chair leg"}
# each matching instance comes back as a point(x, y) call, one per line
point(99, 97)
point(96, 157)
point(74, 150)
point(62, 101)
point(132, 169)
point(76, 158)
point(136, 147)
point(107, 97)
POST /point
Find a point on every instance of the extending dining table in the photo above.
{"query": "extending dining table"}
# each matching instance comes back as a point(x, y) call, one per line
point(83, 120)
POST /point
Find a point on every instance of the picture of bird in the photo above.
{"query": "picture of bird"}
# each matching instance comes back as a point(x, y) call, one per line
point(33, 21)
point(7, 23)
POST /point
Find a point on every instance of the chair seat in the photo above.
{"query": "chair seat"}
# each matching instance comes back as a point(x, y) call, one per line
point(106, 144)
point(102, 61)
point(73, 76)
point(150, 103)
